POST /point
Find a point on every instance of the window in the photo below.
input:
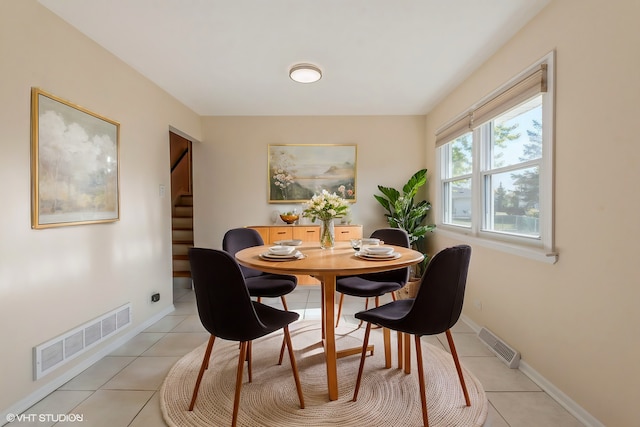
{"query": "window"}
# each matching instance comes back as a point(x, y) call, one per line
point(495, 168)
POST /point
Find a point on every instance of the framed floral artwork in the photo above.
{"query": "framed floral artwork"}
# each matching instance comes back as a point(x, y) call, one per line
point(298, 171)
point(74, 164)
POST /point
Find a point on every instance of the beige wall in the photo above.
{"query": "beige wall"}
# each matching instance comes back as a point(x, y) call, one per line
point(230, 169)
point(575, 322)
point(53, 280)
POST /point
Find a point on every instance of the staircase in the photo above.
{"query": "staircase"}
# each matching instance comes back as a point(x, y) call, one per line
point(182, 235)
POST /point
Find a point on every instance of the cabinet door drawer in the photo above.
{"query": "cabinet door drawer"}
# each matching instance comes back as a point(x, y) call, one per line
point(280, 233)
point(307, 234)
point(264, 233)
point(347, 232)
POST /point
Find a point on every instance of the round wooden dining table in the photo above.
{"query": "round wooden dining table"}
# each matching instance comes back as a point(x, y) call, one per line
point(326, 265)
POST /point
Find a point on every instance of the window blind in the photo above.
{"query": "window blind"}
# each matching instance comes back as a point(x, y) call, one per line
point(525, 87)
point(453, 130)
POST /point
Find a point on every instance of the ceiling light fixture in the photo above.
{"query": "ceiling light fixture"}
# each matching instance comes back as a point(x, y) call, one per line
point(305, 73)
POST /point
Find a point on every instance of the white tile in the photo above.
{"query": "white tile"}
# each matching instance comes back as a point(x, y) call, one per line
point(496, 376)
point(109, 408)
point(98, 374)
point(190, 324)
point(59, 402)
point(466, 345)
point(531, 409)
point(177, 344)
point(299, 294)
point(166, 324)
point(151, 415)
point(494, 419)
point(145, 373)
point(138, 344)
point(462, 327)
point(184, 308)
point(187, 297)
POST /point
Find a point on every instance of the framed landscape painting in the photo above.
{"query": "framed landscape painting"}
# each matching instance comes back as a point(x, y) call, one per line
point(298, 171)
point(74, 164)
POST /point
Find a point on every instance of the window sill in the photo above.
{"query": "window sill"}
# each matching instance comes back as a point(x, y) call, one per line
point(536, 254)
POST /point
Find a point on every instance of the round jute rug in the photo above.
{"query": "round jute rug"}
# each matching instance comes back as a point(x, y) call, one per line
point(387, 397)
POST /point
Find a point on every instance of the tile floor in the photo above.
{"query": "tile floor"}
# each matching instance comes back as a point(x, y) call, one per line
point(122, 388)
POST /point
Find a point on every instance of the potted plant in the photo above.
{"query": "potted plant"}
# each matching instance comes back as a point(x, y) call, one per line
point(404, 212)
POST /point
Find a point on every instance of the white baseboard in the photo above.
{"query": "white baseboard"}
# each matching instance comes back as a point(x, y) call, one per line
point(554, 392)
point(24, 404)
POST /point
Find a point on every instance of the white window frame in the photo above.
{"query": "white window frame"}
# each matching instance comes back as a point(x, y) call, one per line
point(540, 249)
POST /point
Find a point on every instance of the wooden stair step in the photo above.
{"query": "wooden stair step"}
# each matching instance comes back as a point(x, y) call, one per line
point(181, 274)
point(182, 242)
point(181, 257)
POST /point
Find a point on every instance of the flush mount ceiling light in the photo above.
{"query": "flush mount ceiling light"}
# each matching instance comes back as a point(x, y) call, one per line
point(305, 73)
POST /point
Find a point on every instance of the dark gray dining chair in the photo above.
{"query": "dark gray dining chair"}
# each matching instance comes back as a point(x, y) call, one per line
point(259, 283)
point(227, 312)
point(374, 285)
point(435, 309)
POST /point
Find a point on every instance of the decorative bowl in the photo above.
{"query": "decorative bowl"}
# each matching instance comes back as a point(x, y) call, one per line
point(289, 219)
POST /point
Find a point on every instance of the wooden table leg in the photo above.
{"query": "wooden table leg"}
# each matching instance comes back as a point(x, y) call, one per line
point(329, 290)
point(322, 312)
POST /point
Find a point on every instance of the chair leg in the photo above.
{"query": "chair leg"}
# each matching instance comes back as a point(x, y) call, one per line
point(236, 398)
point(454, 353)
point(203, 367)
point(208, 359)
point(386, 334)
point(366, 307)
point(248, 357)
point(407, 353)
point(294, 366)
point(400, 347)
point(284, 304)
point(423, 394)
point(362, 357)
point(339, 309)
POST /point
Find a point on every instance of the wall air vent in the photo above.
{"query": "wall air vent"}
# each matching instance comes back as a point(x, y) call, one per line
point(505, 353)
point(61, 349)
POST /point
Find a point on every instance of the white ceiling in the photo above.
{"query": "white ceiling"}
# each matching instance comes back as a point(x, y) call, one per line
point(231, 57)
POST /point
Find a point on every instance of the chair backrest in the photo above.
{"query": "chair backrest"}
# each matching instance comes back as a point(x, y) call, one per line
point(396, 237)
point(224, 305)
point(237, 239)
point(438, 304)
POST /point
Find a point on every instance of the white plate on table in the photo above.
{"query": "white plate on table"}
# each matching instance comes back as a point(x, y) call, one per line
point(384, 257)
point(378, 250)
point(294, 242)
point(282, 250)
point(291, 257)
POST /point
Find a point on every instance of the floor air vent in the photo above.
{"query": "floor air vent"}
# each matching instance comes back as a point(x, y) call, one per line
point(59, 350)
point(505, 353)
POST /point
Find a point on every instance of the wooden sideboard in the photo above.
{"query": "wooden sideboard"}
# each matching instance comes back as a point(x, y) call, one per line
point(307, 233)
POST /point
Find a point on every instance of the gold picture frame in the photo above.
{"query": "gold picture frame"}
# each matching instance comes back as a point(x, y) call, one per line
point(75, 157)
point(298, 171)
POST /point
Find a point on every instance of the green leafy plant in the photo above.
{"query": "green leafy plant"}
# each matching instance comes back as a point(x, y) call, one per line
point(405, 213)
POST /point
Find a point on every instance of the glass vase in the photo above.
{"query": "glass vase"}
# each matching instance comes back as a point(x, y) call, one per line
point(327, 234)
